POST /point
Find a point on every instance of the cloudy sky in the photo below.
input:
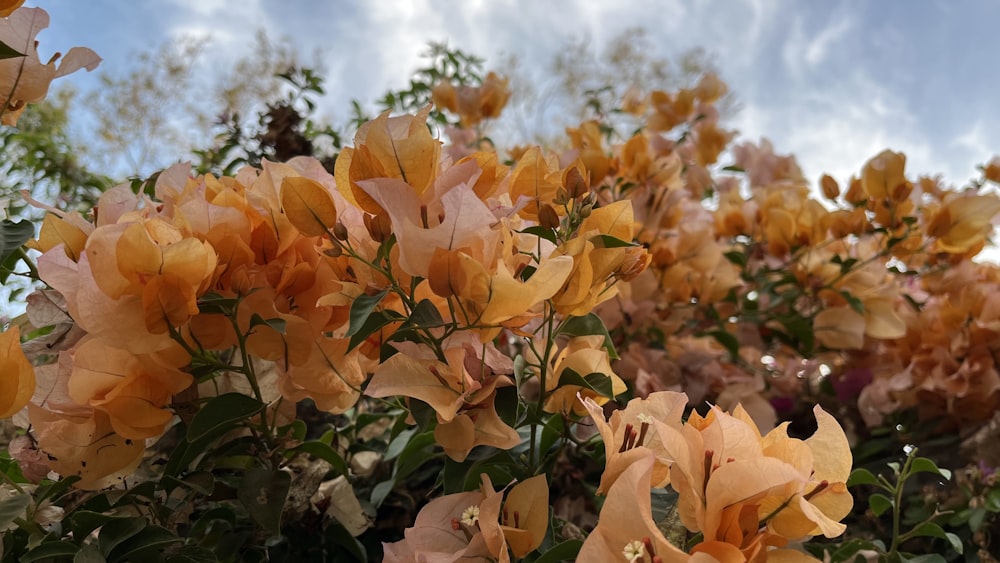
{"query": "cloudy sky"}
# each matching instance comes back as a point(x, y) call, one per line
point(834, 82)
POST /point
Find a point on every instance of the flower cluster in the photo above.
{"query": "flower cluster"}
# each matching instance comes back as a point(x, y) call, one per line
point(488, 310)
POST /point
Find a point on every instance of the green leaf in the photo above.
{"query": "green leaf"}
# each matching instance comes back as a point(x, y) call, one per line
point(14, 235)
point(425, 315)
point(83, 522)
point(217, 303)
point(13, 507)
point(597, 382)
point(732, 168)
point(361, 308)
point(380, 491)
point(144, 545)
point(372, 324)
point(341, 538)
point(879, 503)
point(263, 492)
point(117, 530)
point(849, 548)
point(930, 529)
point(220, 412)
point(608, 241)
point(49, 551)
point(737, 257)
point(278, 325)
point(926, 465)
point(541, 232)
point(727, 340)
point(89, 554)
point(861, 476)
point(565, 551)
point(8, 52)
point(926, 558)
point(323, 451)
point(589, 324)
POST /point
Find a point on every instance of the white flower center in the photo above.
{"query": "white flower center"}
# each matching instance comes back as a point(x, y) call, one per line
point(470, 516)
point(634, 550)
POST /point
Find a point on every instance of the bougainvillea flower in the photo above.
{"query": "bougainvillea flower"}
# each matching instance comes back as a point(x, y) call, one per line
point(332, 376)
point(533, 181)
point(968, 220)
point(25, 80)
point(625, 530)
point(475, 525)
point(133, 391)
point(825, 458)
point(463, 221)
point(882, 174)
point(477, 424)
point(524, 518)
point(422, 377)
point(582, 355)
point(308, 206)
point(18, 381)
point(840, 328)
point(389, 147)
point(629, 431)
point(85, 444)
point(56, 230)
point(699, 448)
point(495, 299)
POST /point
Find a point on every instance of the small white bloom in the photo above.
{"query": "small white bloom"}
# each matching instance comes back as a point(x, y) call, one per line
point(470, 516)
point(634, 550)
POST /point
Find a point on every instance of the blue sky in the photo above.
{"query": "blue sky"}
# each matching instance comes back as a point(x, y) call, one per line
point(834, 82)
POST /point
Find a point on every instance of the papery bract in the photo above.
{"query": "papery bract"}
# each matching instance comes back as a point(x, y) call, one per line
point(25, 80)
point(17, 383)
point(630, 431)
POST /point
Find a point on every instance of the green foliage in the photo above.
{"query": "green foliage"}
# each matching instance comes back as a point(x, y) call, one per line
point(907, 527)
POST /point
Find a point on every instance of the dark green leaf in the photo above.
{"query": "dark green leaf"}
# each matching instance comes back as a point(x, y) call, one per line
point(55, 489)
point(925, 465)
point(541, 232)
point(737, 257)
point(727, 340)
point(117, 530)
point(608, 241)
point(143, 546)
point(323, 451)
point(13, 236)
point(930, 529)
point(589, 324)
point(732, 168)
point(879, 503)
point(926, 558)
point(83, 522)
point(372, 324)
point(220, 412)
point(861, 476)
point(341, 538)
point(597, 382)
point(278, 325)
point(49, 551)
point(425, 315)
point(263, 492)
point(565, 551)
point(8, 52)
point(380, 491)
point(89, 554)
point(361, 308)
